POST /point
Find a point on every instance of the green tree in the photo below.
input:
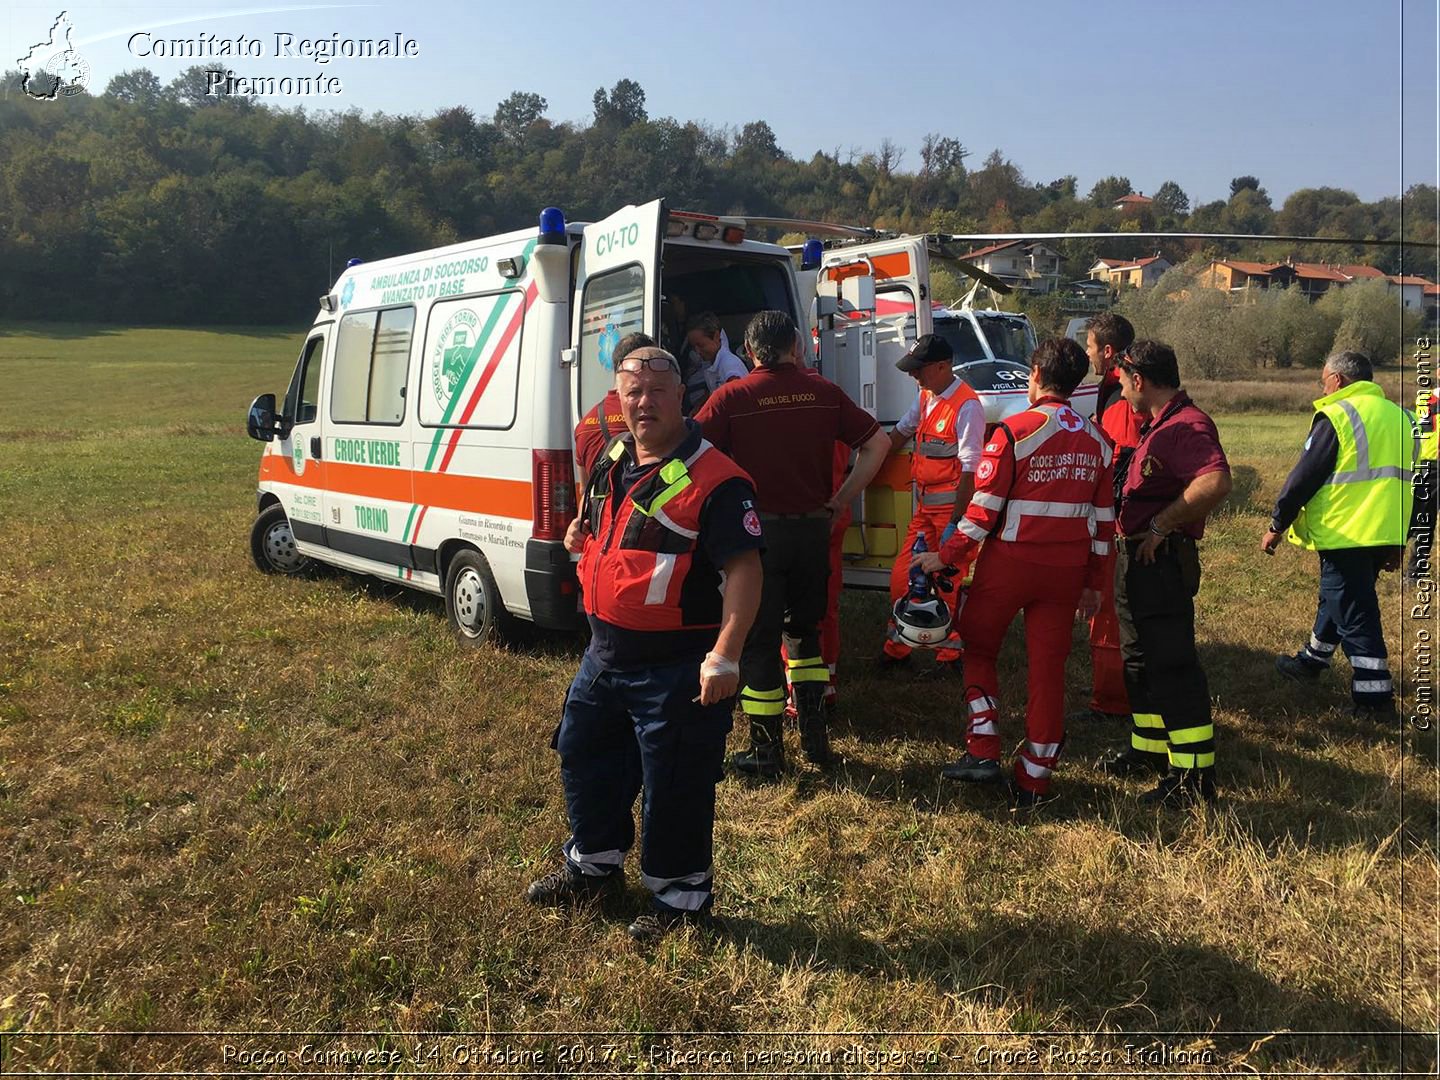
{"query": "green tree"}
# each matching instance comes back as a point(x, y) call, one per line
point(1106, 192)
point(1241, 183)
point(1171, 200)
point(518, 113)
point(622, 106)
point(136, 87)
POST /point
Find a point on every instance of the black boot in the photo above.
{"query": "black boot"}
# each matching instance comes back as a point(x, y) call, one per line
point(814, 729)
point(766, 757)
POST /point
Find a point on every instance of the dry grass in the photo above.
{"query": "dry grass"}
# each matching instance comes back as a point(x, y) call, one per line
point(1289, 390)
point(238, 803)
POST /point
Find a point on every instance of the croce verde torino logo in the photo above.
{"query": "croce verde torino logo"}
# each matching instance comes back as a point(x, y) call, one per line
point(451, 355)
point(297, 454)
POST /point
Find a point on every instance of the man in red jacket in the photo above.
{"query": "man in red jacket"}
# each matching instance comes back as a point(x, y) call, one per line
point(604, 421)
point(1044, 504)
point(1107, 337)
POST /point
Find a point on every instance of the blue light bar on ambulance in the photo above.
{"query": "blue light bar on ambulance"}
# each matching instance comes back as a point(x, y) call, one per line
point(552, 226)
point(353, 262)
point(811, 254)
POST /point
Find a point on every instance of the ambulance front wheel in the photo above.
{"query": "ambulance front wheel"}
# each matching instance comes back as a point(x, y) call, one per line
point(472, 601)
point(272, 544)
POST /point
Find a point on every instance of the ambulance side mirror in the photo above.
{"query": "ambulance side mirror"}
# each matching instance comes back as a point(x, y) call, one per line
point(260, 424)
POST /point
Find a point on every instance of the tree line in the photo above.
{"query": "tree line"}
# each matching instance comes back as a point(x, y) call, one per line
point(155, 202)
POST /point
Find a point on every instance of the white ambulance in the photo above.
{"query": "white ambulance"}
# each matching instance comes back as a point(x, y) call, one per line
point(427, 433)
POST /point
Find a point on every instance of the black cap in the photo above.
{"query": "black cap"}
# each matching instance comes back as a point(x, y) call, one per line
point(930, 349)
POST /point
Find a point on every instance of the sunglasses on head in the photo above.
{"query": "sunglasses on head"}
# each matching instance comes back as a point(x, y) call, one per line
point(634, 364)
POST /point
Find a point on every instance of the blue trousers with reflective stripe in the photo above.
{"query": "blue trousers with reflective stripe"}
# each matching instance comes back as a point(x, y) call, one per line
point(1348, 614)
point(627, 731)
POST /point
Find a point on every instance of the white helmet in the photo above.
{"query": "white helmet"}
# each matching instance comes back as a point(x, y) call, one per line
point(922, 623)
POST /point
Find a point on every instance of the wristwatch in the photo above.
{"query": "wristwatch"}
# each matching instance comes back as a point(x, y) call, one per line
point(1157, 532)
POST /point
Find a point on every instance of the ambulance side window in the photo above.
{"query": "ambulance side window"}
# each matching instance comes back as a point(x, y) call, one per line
point(303, 399)
point(613, 306)
point(371, 356)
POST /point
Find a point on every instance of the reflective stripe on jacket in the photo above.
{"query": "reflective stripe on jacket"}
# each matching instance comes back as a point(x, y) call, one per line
point(935, 462)
point(1366, 501)
point(641, 567)
point(1043, 485)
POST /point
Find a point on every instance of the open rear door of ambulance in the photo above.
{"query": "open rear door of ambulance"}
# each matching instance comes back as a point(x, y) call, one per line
point(617, 292)
point(899, 313)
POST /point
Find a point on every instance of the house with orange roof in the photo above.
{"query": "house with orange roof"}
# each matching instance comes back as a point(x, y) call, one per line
point(1236, 275)
point(1411, 289)
point(1134, 273)
point(1359, 270)
point(1316, 279)
point(1028, 266)
point(1133, 203)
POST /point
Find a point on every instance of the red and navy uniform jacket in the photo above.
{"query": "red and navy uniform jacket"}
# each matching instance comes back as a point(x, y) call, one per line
point(1044, 488)
point(643, 567)
point(1114, 414)
point(596, 428)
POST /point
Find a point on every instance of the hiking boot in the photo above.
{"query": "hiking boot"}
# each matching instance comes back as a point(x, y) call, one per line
point(1298, 669)
point(973, 770)
point(1023, 801)
point(1181, 789)
point(1127, 762)
point(1095, 716)
point(566, 885)
point(813, 723)
point(765, 760)
point(1380, 712)
point(651, 927)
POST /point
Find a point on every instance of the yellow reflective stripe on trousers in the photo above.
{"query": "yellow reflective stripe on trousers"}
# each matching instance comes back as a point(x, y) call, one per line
point(1185, 736)
point(762, 702)
point(1192, 761)
point(808, 669)
point(1149, 720)
point(1148, 746)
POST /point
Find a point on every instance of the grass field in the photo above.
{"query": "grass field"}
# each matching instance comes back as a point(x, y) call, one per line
point(235, 803)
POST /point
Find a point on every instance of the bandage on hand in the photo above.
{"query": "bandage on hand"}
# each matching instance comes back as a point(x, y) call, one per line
point(716, 666)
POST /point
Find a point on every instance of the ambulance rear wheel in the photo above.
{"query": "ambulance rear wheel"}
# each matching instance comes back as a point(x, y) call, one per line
point(472, 601)
point(272, 543)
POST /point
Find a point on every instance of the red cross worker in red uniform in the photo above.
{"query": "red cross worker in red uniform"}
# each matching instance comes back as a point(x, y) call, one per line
point(1107, 336)
point(948, 424)
point(1044, 506)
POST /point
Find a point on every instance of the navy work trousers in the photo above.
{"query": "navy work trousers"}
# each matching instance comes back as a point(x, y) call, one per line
point(624, 731)
point(1348, 614)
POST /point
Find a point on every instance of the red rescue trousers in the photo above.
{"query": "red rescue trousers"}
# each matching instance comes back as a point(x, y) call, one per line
point(830, 624)
point(1006, 583)
point(934, 520)
point(1107, 669)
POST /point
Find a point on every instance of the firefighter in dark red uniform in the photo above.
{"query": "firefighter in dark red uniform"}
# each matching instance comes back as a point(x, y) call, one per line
point(1175, 477)
point(1108, 336)
point(604, 421)
point(668, 539)
point(781, 423)
point(1044, 507)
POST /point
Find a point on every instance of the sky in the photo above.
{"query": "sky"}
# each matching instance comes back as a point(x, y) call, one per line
point(1300, 94)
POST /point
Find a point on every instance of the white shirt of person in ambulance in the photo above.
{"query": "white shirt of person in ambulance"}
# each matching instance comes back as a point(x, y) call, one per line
point(969, 426)
point(724, 367)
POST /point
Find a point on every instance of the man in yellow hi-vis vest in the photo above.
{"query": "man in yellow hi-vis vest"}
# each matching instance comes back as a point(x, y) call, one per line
point(1349, 499)
point(1422, 517)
